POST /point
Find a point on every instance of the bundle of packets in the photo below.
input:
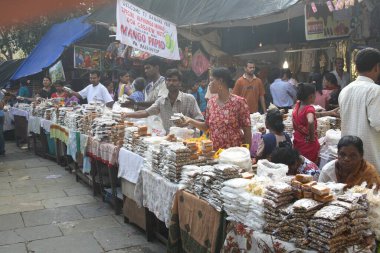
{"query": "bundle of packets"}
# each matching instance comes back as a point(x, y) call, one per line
point(277, 198)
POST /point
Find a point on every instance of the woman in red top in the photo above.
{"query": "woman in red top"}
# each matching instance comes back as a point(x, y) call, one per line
point(60, 93)
point(227, 115)
point(305, 122)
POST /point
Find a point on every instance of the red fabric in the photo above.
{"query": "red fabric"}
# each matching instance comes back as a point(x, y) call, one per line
point(308, 149)
point(226, 122)
point(55, 95)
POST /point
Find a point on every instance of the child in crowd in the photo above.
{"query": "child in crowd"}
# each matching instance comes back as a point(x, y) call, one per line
point(139, 85)
point(276, 136)
point(297, 163)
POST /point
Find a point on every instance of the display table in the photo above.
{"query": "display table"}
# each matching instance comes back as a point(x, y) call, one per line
point(104, 157)
point(8, 121)
point(157, 194)
point(195, 225)
point(21, 125)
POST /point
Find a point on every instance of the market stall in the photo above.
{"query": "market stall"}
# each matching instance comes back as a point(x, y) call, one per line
point(174, 188)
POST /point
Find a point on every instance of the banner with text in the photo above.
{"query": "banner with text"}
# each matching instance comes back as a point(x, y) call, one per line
point(145, 31)
point(326, 24)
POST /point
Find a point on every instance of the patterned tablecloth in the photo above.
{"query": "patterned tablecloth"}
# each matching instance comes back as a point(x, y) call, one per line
point(156, 193)
point(107, 153)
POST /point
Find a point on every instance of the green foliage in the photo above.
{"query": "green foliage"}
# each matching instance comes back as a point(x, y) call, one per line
point(19, 40)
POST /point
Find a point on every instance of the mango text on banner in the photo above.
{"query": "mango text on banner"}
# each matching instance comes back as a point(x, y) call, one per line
point(145, 31)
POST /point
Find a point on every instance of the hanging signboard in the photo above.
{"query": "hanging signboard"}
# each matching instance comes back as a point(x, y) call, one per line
point(56, 72)
point(87, 58)
point(326, 24)
point(145, 31)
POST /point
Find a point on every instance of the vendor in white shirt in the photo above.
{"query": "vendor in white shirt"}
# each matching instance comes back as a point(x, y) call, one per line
point(95, 91)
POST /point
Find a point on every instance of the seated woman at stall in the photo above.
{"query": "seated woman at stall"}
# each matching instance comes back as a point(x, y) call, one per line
point(297, 163)
point(24, 93)
point(350, 168)
point(276, 136)
point(47, 89)
point(305, 122)
point(60, 92)
point(227, 115)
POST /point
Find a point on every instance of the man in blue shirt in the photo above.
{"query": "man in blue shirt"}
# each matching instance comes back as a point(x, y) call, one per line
point(284, 94)
point(199, 92)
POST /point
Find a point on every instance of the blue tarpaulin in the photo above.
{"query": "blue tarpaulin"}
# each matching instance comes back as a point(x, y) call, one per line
point(52, 45)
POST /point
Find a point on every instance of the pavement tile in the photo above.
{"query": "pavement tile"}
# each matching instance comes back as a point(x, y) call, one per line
point(13, 248)
point(19, 190)
point(31, 197)
point(97, 209)
point(88, 225)
point(152, 248)
point(39, 232)
point(11, 221)
point(68, 201)
point(80, 190)
point(20, 207)
point(10, 237)
point(49, 216)
point(79, 243)
point(119, 238)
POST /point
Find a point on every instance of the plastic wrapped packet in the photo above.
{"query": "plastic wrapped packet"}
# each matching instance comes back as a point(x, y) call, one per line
point(238, 156)
point(272, 170)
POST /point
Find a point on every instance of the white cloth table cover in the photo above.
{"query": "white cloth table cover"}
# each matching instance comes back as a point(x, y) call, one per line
point(45, 124)
point(130, 165)
point(15, 111)
point(8, 117)
point(34, 125)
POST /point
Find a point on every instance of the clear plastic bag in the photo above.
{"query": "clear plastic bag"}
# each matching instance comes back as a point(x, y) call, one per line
point(155, 126)
point(238, 156)
point(275, 171)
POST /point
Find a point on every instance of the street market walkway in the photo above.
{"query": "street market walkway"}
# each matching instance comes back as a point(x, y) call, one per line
point(55, 214)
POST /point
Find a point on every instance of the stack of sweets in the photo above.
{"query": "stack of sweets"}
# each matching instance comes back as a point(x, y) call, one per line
point(301, 185)
point(101, 128)
point(303, 211)
point(72, 120)
point(321, 193)
point(118, 116)
point(117, 134)
point(192, 145)
point(328, 229)
point(130, 137)
point(208, 183)
point(276, 196)
point(173, 157)
point(207, 149)
point(357, 206)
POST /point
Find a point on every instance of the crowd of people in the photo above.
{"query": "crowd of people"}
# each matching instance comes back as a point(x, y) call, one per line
point(222, 108)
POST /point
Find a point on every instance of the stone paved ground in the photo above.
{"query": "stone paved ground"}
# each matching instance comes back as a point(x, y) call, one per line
point(40, 215)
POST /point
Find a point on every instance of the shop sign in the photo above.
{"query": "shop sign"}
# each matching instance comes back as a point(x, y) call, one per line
point(87, 58)
point(325, 24)
point(56, 72)
point(144, 31)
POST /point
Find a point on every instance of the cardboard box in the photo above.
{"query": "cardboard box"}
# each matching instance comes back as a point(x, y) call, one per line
point(128, 188)
point(134, 214)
